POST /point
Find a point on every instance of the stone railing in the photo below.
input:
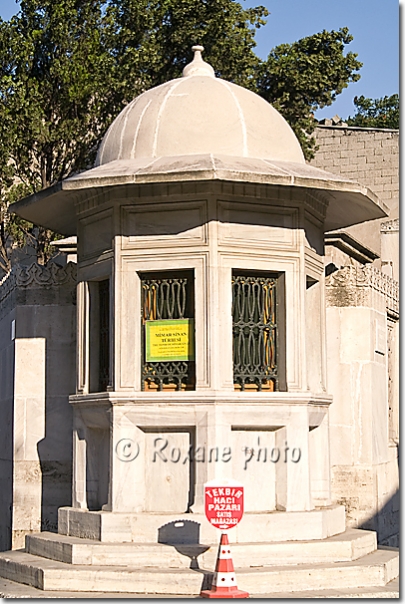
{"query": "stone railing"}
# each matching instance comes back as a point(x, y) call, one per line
point(353, 285)
point(35, 276)
point(390, 226)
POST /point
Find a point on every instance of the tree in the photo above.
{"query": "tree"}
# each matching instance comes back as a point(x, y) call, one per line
point(152, 39)
point(68, 67)
point(6, 181)
point(299, 78)
point(376, 113)
point(52, 84)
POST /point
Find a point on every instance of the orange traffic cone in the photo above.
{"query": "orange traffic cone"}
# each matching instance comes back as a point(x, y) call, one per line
point(224, 583)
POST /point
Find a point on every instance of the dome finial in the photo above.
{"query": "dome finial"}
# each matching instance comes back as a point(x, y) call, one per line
point(198, 67)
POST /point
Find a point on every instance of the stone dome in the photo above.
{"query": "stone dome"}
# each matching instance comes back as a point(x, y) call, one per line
point(199, 114)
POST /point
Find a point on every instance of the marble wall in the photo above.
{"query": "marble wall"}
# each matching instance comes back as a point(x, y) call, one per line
point(37, 365)
point(362, 302)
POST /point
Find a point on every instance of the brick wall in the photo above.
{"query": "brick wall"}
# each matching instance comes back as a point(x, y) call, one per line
point(366, 155)
point(369, 156)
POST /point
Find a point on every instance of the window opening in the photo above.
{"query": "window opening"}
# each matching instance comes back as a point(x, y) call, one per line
point(104, 330)
point(256, 308)
point(168, 331)
point(99, 331)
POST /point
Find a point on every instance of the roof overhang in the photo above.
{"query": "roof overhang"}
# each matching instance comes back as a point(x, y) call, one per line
point(349, 202)
point(350, 245)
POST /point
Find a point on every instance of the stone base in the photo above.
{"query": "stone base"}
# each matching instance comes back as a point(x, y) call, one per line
point(120, 527)
point(10, 589)
point(348, 546)
point(161, 554)
point(374, 569)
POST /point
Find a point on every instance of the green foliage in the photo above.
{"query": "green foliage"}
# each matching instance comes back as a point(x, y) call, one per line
point(151, 40)
point(307, 75)
point(52, 84)
point(68, 67)
point(376, 113)
point(51, 87)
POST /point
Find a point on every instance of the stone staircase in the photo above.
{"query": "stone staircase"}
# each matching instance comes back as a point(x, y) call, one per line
point(64, 563)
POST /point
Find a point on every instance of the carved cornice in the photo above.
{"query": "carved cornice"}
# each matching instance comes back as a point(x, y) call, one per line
point(345, 242)
point(37, 276)
point(390, 226)
point(317, 204)
point(351, 285)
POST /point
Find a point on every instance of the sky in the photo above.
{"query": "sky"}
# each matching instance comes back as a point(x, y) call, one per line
point(374, 25)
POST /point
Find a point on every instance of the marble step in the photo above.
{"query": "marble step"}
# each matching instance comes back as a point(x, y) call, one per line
point(128, 527)
point(373, 570)
point(350, 545)
point(10, 589)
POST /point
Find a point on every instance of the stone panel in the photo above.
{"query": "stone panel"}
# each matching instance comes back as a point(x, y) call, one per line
point(155, 223)
point(256, 224)
point(96, 233)
point(168, 471)
point(254, 461)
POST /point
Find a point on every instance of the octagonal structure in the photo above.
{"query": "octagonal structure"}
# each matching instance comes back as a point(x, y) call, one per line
point(201, 328)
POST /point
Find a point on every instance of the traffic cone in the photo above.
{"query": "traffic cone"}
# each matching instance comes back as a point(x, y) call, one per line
point(224, 583)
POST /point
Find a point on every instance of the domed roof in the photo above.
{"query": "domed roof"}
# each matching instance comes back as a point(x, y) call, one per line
point(199, 129)
point(198, 114)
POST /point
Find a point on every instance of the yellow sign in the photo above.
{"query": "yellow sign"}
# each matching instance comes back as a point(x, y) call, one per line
point(171, 340)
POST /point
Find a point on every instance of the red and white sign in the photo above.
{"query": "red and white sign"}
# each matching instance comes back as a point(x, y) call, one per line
point(223, 503)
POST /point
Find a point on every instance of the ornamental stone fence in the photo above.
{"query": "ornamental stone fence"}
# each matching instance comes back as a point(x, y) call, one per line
point(355, 286)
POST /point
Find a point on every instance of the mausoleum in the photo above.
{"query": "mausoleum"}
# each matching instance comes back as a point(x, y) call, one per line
point(201, 348)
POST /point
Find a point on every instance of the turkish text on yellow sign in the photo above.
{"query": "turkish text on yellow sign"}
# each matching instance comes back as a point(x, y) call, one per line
point(170, 340)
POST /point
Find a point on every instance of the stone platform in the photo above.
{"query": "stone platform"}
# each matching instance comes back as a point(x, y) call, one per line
point(121, 527)
point(350, 545)
point(10, 589)
point(375, 569)
point(66, 563)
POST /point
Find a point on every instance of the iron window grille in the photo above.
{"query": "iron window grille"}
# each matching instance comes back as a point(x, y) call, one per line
point(258, 331)
point(167, 296)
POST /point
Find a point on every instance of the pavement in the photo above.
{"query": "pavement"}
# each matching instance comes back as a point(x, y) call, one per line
point(9, 589)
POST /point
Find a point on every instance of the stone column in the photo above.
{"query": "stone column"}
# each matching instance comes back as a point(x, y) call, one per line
point(319, 460)
point(79, 498)
point(213, 440)
point(126, 475)
point(293, 493)
point(359, 300)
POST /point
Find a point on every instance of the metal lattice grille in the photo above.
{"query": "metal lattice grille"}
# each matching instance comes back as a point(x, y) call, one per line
point(254, 316)
point(104, 330)
point(166, 298)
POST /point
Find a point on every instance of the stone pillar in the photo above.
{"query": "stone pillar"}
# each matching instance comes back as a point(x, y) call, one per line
point(297, 464)
point(79, 499)
point(213, 437)
point(319, 459)
point(38, 321)
point(127, 458)
point(359, 300)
